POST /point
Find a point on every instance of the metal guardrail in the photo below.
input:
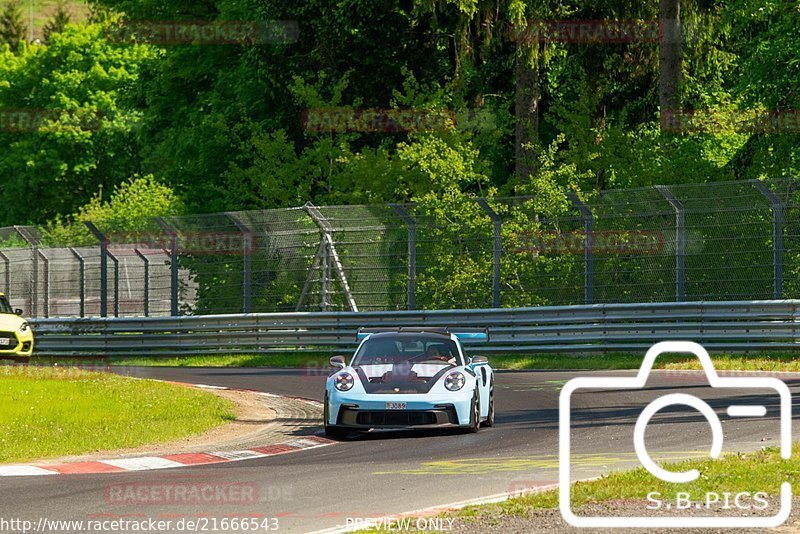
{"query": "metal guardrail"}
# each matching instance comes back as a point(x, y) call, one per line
point(734, 326)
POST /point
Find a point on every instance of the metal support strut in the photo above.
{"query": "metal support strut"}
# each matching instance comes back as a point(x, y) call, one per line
point(330, 259)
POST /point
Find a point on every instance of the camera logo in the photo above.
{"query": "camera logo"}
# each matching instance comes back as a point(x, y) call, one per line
point(638, 382)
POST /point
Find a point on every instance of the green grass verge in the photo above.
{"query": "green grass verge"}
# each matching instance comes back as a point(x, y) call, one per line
point(722, 362)
point(49, 412)
point(223, 360)
point(726, 362)
point(760, 471)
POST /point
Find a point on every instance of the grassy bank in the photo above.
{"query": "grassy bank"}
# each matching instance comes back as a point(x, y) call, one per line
point(50, 412)
point(753, 362)
point(760, 471)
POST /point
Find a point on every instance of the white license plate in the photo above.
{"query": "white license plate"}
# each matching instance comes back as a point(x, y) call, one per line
point(396, 406)
point(5, 341)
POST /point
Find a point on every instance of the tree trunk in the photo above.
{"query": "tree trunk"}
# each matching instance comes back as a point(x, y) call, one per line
point(526, 110)
point(669, 61)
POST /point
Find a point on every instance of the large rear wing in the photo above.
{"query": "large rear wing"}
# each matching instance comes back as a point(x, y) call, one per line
point(463, 334)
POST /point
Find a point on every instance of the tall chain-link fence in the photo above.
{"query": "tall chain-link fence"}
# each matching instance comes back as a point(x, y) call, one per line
point(718, 241)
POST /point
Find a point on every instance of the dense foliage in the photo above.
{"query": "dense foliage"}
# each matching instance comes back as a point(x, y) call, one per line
point(223, 122)
point(272, 119)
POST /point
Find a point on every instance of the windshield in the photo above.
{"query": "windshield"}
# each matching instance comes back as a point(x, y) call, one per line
point(404, 363)
point(413, 348)
point(5, 307)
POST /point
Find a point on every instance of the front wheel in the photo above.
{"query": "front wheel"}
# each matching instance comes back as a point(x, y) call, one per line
point(490, 417)
point(475, 417)
point(331, 431)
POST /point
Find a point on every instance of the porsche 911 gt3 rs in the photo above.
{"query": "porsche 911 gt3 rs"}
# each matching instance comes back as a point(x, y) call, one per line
point(409, 378)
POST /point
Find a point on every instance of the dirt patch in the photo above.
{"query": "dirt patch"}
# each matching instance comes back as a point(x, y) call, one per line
point(253, 417)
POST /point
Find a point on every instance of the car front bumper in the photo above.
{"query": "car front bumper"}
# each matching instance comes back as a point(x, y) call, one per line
point(19, 344)
point(422, 411)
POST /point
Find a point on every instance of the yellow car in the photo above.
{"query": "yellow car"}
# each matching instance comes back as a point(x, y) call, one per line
point(16, 336)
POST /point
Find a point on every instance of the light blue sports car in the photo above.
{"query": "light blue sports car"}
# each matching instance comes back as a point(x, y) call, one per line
point(410, 378)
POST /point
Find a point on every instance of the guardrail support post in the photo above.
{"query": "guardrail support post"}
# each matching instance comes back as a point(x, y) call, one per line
point(146, 264)
point(411, 225)
point(588, 248)
point(173, 264)
point(103, 267)
point(247, 270)
point(497, 248)
point(680, 242)
point(81, 279)
point(777, 237)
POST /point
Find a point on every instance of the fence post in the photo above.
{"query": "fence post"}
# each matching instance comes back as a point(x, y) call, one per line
point(46, 282)
point(81, 279)
point(173, 264)
point(680, 242)
point(497, 248)
point(247, 270)
point(116, 281)
point(34, 243)
point(411, 226)
point(326, 276)
point(7, 272)
point(777, 237)
point(103, 267)
point(146, 263)
point(588, 247)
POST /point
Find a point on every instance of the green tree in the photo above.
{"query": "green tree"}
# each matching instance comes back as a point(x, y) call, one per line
point(12, 24)
point(130, 208)
point(57, 23)
point(73, 130)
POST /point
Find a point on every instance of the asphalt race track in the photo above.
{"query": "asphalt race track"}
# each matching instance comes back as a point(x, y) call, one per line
point(383, 474)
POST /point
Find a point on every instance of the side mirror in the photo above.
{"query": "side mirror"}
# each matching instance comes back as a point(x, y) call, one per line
point(18, 311)
point(479, 360)
point(338, 362)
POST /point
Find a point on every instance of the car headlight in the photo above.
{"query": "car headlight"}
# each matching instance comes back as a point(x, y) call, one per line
point(343, 381)
point(454, 381)
point(24, 327)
